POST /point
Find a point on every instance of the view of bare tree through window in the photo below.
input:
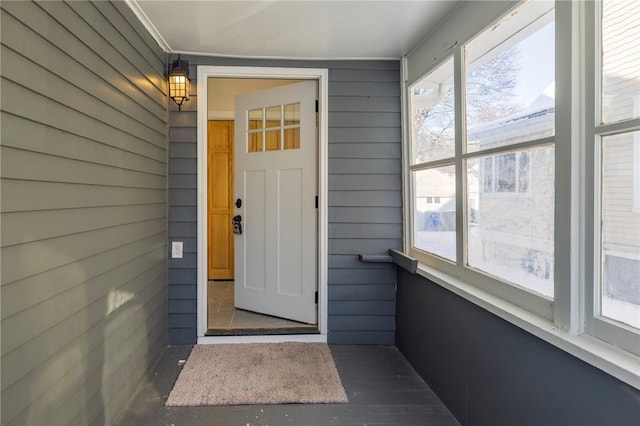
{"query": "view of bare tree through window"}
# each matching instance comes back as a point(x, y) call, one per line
point(433, 115)
point(434, 108)
point(495, 80)
point(434, 135)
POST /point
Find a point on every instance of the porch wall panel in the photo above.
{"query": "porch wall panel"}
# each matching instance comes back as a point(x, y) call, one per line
point(84, 223)
point(365, 209)
point(487, 371)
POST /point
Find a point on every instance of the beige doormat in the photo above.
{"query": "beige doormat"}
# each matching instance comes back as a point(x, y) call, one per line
point(258, 373)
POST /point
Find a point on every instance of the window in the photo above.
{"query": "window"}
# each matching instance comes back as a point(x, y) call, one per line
point(542, 210)
point(434, 176)
point(509, 100)
point(505, 157)
point(615, 308)
point(278, 126)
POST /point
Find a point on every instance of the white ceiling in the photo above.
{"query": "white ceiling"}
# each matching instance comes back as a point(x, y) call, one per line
point(300, 29)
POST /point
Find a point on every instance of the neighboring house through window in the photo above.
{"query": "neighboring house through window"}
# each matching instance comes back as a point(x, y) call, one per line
point(615, 138)
point(494, 138)
point(506, 173)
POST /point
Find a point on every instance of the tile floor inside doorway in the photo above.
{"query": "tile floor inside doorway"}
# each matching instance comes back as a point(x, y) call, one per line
point(222, 314)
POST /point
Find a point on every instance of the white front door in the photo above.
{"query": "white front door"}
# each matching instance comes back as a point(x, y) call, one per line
point(276, 183)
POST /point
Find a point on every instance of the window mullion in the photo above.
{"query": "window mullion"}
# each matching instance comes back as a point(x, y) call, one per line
point(458, 76)
point(589, 206)
point(618, 127)
point(432, 164)
point(567, 149)
point(512, 147)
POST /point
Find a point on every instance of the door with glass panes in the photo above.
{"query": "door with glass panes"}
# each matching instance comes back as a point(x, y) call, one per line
point(275, 201)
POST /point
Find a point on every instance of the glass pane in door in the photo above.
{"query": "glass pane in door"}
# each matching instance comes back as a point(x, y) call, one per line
point(292, 114)
point(274, 116)
point(292, 138)
point(254, 142)
point(255, 119)
point(272, 140)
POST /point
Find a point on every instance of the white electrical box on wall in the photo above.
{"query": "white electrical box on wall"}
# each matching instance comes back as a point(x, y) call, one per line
point(176, 249)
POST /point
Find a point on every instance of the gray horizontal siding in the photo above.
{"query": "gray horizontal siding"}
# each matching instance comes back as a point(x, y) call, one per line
point(365, 230)
point(361, 337)
point(84, 222)
point(368, 182)
point(367, 166)
point(361, 276)
point(345, 261)
point(368, 74)
point(374, 215)
point(364, 134)
point(45, 224)
point(24, 195)
point(370, 151)
point(363, 104)
point(367, 307)
point(370, 198)
point(183, 201)
point(364, 88)
point(354, 246)
point(105, 151)
point(365, 204)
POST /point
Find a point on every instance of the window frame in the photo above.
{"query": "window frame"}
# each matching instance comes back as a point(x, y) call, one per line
point(636, 153)
point(563, 322)
point(414, 166)
point(609, 330)
point(517, 295)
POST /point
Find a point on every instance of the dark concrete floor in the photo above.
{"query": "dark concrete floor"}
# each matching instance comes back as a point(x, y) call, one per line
point(383, 389)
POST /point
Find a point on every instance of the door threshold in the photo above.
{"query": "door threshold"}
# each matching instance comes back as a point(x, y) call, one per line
point(261, 331)
point(282, 338)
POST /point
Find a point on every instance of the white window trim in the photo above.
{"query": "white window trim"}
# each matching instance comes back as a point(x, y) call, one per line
point(600, 327)
point(513, 293)
point(636, 154)
point(566, 330)
point(322, 76)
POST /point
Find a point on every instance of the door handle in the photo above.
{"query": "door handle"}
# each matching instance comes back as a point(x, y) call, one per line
point(237, 224)
point(238, 203)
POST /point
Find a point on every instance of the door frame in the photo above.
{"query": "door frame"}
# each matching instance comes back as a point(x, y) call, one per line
point(322, 76)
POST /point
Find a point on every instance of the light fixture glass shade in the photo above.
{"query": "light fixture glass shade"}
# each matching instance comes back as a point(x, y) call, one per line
point(179, 83)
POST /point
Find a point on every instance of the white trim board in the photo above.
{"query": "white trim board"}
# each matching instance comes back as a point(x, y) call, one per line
point(322, 76)
point(146, 22)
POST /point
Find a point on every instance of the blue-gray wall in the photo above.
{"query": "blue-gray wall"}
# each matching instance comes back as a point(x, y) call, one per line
point(490, 372)
point(365, 207)
point(84, 219)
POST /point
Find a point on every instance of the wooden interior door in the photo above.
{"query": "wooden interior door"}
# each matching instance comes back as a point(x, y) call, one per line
point(220, 199)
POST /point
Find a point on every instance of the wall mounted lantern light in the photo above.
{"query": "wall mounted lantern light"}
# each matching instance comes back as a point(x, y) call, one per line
point(179, 83)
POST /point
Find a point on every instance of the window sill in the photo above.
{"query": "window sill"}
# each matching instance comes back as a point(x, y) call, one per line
point(620, 364)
